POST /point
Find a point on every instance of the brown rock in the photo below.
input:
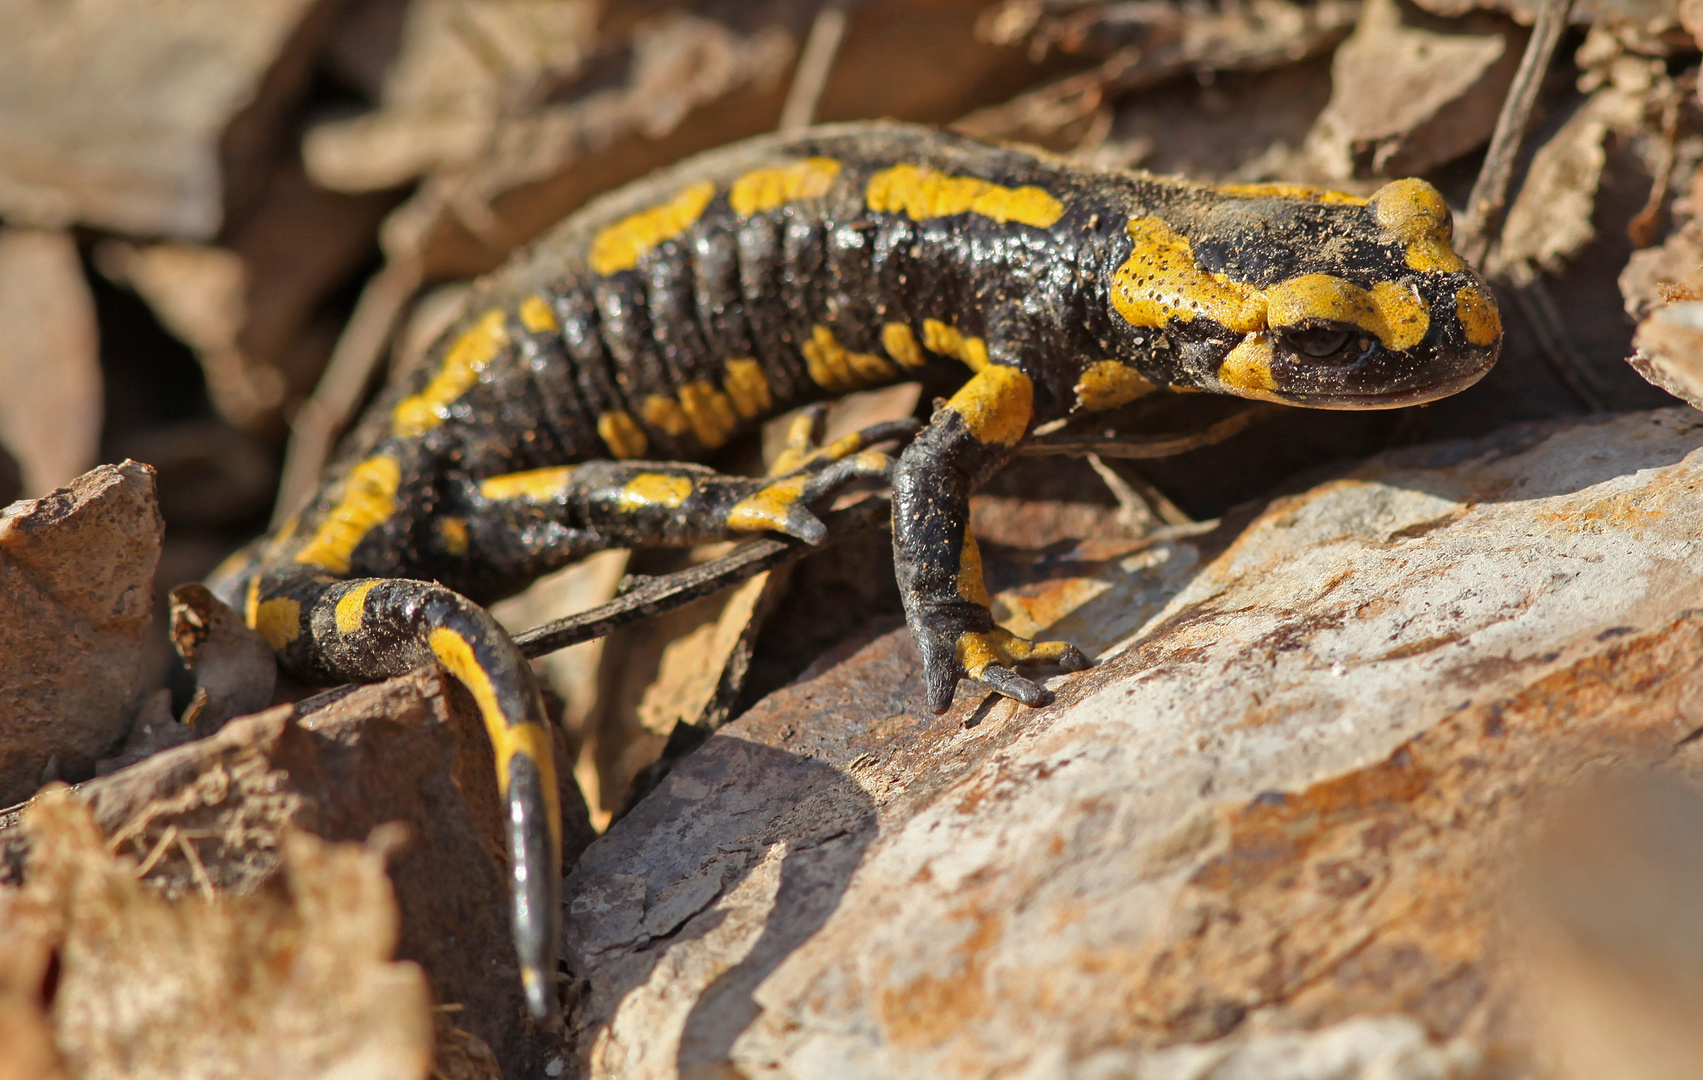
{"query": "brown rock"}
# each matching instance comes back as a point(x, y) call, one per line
point(50, 412)
point(212, 815)
point(1284, 802)
point(76, 586)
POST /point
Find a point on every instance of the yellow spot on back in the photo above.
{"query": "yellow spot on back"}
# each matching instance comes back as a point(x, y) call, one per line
point(453, 530)
point(351, 610)
point(1414, 213)
point(747, 386)
point(1246, 371)
point(536, 316)
point(901, 345)
point(996, 405)
point(832, 366)
point(1303, 192)
point(709, 411)
point(1107, 384)
point(472, 352)
point(369, 499)
point(1160, 282)
point(948, 341)
point(654, 489)
point(524, 738)
point(541, 485)
point(971, 585)
point(768, 508)
point(623, 437)
point(665, 414)
point(1479, 317)
point(922, 193)
point(765, 189)
point(621, 245)
point(1395, 313)
point(279, 621)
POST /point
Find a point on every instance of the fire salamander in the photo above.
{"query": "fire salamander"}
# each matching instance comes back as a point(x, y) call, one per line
point(671, 316)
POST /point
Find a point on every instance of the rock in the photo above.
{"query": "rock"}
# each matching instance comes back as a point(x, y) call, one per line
point(1670, 351)
point(1410, 91)
point(50, 414)
point(76, 588)
point(147, 118)
point(294, 981)
point(1284, 801)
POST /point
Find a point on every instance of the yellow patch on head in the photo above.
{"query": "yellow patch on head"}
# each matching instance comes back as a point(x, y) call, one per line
point(971, 585)
point(472, 352)
point(765, 189)
point(654, 489)
point(665, 414)
point(996, 405)
point(541, 485)
point(947, 340)
point(1303, 192)
point(747, 387)
point(922, 193)
point(709, 411)
point(1107, 384)
point(1160, 282)
point(1246, 371)
point(453, 532)
point(1479, 317)
point(368, 500)
point(832, 366)
point(508, 740)
point(768, 508)
point(536, 316)
point(351, 609)
point(1414, 213)
point(901, 345)
point(621, 245)
point(623, 437)
point(1396, 314)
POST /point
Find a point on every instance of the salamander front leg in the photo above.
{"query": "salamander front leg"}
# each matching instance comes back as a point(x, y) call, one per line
point(380, 627)
point(938, 563)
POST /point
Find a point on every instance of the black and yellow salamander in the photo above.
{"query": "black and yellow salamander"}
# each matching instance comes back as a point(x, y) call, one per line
point(665, 319)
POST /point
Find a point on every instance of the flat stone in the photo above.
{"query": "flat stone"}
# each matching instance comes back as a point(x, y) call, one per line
point(1283, 802)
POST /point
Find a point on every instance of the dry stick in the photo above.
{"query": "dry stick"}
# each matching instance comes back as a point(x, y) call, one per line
point(1490, 191)
point(324, 415)
point(814, 63)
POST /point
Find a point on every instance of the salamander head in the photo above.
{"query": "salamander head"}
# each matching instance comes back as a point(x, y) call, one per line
point(1308, 297)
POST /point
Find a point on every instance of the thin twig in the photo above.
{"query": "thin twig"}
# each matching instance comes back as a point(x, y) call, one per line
point(1137, 447)
point(663, 594)
point(814, 64)
point(1490, 191)
point(323, 416)
point(202, 878)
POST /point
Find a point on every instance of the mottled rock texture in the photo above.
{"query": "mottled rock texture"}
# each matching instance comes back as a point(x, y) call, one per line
point(1285, 801)
point(76, 588)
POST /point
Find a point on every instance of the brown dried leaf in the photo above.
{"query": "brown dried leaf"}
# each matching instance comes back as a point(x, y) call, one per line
point(50, 410)
point(1669, 351)
point(1411, 92)
point(76, 586)
point(126, 115)
point(293, 981)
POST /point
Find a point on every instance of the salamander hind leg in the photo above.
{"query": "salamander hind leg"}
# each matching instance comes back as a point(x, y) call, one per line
point(375, 628)
point(938, 562)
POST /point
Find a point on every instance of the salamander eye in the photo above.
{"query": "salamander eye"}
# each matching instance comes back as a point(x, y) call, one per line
point(1319, 342)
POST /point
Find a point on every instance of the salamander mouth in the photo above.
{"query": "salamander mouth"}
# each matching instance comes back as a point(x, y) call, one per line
point(1389, 399)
